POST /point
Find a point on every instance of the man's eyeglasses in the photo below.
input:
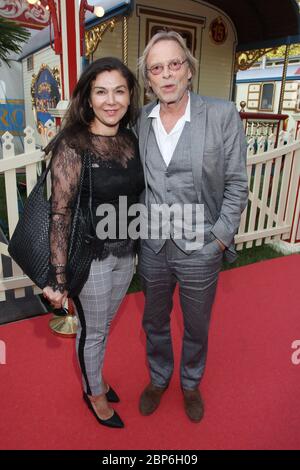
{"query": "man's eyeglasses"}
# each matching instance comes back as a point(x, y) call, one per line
point(174, 65)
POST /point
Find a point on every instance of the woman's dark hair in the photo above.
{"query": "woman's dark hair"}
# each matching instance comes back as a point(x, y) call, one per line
point(75, 125)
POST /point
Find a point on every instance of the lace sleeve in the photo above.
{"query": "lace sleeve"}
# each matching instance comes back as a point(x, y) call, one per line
point(65, 175)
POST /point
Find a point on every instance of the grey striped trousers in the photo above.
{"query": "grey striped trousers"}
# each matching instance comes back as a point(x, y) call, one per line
point(96, 307)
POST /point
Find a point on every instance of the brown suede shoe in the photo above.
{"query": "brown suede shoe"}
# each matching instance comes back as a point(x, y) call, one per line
point(150, 399)
point(193, 405)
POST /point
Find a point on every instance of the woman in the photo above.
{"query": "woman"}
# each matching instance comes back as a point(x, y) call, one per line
point(104, 102)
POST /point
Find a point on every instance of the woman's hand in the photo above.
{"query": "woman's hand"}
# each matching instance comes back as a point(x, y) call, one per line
point(55, 297)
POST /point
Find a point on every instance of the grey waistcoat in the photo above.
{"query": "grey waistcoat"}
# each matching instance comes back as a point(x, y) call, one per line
point(173, 184)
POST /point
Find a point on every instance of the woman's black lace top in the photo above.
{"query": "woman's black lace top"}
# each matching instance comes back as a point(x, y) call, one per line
point(116, 171)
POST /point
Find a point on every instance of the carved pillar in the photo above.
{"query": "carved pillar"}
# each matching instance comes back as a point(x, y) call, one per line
point(284, 72)
point(125, 40)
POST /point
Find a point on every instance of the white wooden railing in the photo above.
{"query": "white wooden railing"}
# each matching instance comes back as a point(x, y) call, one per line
point(273, 180)
point(29, 163)
point(262, 124)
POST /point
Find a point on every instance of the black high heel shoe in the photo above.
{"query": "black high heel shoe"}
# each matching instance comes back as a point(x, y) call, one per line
point(113, 422)
point(111, 396)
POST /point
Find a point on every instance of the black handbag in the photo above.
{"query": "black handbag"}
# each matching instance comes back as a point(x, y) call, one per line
point(30, 243)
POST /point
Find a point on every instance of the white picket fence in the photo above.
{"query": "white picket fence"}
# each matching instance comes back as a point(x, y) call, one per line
point(273, 175)
point(273, 178)
point(29, 163)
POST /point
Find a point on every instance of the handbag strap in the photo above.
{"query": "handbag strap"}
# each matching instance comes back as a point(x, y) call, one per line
point(83, 169)
point(42, 179)
point(86, 165)
point(89, 164)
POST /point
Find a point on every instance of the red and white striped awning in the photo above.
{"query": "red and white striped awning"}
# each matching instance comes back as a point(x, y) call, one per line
point(36, 16)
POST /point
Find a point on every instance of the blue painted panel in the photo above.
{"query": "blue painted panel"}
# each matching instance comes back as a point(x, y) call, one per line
point(12, 116)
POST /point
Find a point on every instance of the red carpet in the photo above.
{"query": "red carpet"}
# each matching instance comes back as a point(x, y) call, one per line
point(251, 387)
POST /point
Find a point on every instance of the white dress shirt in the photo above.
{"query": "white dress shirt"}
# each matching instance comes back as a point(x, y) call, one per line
point(167, 142)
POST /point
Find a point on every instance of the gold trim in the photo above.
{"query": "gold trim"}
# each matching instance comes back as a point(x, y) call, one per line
point(245, 59)
point(33, 80)
point(94, 35)
point(56, 74)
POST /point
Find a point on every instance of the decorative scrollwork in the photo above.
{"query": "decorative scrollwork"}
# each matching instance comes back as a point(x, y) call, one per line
point(33, 80)
point(94, 35)
point(14, 9)
point(56, 75)
point(245, 59)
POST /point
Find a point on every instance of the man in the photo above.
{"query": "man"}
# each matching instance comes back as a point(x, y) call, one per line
point(194, 153)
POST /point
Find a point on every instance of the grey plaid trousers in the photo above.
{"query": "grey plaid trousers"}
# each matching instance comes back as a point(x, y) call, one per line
point(96, 307)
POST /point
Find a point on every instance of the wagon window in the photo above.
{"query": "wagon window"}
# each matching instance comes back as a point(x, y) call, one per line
point(266, 98)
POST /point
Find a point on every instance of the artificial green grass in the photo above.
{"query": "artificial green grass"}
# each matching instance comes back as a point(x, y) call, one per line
point(252, 255)
point(135, 285)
